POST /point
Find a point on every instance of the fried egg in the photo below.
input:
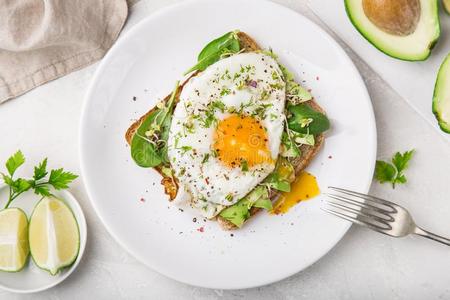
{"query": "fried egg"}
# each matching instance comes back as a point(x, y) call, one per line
point(226, 130)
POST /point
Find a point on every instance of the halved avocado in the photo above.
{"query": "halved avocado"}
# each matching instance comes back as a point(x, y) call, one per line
point(441, 96)
point(403, 29)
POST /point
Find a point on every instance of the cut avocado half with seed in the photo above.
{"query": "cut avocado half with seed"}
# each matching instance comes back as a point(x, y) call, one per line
point(441, 97)
point(403, 29)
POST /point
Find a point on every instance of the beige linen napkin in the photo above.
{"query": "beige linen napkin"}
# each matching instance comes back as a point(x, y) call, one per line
point(41, 40)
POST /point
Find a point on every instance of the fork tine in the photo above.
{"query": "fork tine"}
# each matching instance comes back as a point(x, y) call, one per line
point(352, 219)
point(366, 197)
point(362, 205)
point(360, 213)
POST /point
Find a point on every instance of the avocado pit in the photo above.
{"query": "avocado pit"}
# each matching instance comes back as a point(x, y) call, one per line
point(396, 17)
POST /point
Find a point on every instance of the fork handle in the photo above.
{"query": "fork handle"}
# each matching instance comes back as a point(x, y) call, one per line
point(432, 236)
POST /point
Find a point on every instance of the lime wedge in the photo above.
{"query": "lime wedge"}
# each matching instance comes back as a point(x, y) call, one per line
point(54, 235)
point(13, 240)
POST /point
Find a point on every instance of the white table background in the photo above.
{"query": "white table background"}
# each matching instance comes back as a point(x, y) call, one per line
point(364, 265)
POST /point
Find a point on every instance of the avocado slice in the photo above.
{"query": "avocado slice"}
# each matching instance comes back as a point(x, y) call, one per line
point(441, 96)
point(403, 29)
point(240, 211)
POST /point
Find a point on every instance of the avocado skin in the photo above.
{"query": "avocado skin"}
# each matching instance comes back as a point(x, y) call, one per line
point(367, 36)
point(445, 127)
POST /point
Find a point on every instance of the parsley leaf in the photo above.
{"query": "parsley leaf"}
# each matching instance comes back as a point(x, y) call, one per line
point(60, 179)
point(14, 162)
point(393, 172)
point(385, 172)
point(21, 185)
point(40, 171)
point(7, 179)
point(42, 190)
point(401, 161)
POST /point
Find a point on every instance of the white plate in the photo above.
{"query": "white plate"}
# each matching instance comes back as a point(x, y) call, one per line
point(144, 64)
point(32, 279)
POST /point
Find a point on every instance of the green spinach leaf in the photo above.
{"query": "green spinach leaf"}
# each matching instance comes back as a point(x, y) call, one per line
point(149, 143)
point(143, 151)
point(212, 52)
point(305, 119)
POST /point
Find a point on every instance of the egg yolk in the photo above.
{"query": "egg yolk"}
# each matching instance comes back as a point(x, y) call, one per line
point(241, 141)
point(303, 188)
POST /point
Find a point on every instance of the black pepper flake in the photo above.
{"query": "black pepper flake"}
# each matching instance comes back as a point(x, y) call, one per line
point(231, 234)
point(134, 98)
point(194, 220)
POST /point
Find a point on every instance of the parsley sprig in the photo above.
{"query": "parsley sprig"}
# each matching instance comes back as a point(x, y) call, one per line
point(393, 172)
point(40, 182)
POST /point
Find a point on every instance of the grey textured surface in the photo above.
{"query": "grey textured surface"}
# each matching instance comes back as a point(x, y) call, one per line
point(364, 265)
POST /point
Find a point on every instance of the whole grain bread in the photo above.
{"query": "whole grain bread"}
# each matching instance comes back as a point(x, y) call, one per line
point(300, 163)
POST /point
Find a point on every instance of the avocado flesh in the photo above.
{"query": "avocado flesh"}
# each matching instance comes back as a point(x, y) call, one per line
point(412, 47)
point(441, 97)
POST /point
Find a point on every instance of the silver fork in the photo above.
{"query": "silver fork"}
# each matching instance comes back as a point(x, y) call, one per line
point(375, 213)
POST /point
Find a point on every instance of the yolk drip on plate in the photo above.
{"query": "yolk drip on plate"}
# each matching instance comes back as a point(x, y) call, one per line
point(303, 188)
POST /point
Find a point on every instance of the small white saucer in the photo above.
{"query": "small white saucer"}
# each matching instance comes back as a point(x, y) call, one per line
point(31, 279)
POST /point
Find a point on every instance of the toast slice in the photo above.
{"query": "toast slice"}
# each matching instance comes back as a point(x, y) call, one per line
point(299, 163)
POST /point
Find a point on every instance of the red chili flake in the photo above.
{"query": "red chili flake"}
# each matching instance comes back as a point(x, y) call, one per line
point(142, 200)
point(309, 90)
point(201, 229)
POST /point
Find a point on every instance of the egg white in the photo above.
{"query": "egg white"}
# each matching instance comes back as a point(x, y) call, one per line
point(243, 82)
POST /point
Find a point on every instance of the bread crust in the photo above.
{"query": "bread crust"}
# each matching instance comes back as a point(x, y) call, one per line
point(307, 152)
